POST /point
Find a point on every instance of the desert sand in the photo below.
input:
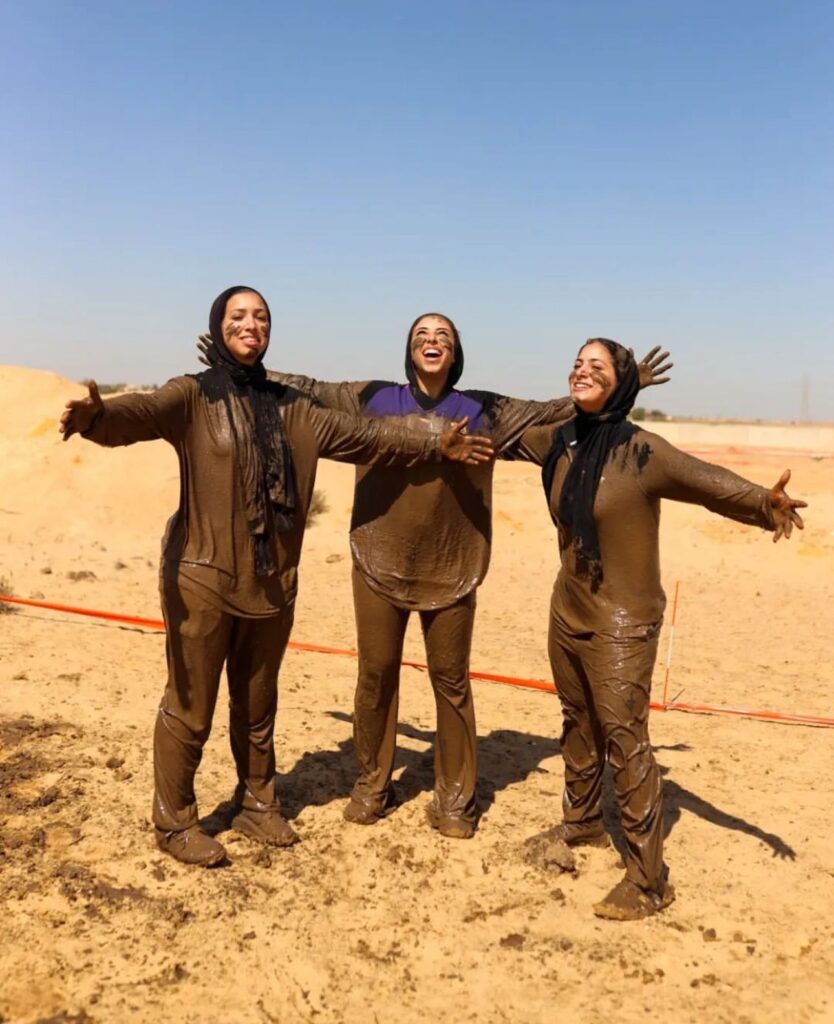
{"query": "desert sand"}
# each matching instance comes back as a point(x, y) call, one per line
point(394, 922)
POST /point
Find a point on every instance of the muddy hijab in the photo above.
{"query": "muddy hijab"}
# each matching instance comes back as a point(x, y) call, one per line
point(593, 438)
point(260, 439)
point(455, 370)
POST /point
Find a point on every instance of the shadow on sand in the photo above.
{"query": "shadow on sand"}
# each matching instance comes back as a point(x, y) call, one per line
point(676, 799)
point(506, 757)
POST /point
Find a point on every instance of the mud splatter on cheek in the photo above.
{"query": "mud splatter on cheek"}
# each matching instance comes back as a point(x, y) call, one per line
point(600, 379)
point(441, 343)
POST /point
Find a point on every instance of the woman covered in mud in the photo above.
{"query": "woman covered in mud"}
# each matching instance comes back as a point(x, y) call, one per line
point(247, 449)
point(604, 478)
point(420, 539)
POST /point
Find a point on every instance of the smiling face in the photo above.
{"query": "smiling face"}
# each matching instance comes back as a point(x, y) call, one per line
point(432, 350)
point(246, 327)
point(593, 378)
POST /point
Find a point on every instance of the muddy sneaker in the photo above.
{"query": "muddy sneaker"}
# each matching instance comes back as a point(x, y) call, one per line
point(191, 846)
point(577, 835)
point(451, 826)
point(360, 812)
point(269, 827)
point(628, 902)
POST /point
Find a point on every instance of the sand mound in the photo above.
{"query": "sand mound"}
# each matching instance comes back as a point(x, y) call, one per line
point(32, 399)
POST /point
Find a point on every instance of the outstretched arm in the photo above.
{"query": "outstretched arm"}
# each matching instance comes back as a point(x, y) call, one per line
point(671, 473)
point(128, 418)
point(388, 443)
point(533, 445)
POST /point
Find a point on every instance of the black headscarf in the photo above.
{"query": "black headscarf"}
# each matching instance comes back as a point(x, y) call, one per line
point(455, 370)
point(260, 439)
point(593, 437)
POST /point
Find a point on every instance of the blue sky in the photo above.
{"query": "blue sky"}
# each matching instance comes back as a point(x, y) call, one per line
point(659, 173)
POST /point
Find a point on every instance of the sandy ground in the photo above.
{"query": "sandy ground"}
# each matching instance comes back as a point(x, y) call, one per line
point(393, 922)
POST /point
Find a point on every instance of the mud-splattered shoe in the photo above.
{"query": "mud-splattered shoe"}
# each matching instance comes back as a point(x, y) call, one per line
point(269, 827)
point(450, 825)
point(628, 902)
point(191, 846)
point(576, 835)
point(361, 812)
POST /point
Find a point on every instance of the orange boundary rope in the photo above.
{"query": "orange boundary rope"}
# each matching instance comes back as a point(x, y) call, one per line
point(490, 677)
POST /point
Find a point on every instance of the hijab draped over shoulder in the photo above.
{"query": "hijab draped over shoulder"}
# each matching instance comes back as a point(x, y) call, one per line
point(593, 437)
point(264, 458)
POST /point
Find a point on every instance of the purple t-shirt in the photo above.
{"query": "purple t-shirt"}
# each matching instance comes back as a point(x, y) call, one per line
point(398, 400)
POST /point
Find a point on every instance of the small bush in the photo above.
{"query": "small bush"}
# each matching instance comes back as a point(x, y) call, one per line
point(318, 506)
point(638, 414)
point(6, 588)
point(120, 386)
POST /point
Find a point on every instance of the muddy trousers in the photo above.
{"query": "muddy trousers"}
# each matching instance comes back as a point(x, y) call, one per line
point(200, 638)
point(604, 685)
point(380, 628)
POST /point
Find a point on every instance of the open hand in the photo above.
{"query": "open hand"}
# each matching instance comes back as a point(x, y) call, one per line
point(81, 412)
point(785, 516)
point(458, 446)
point(652, 365)
point(208, 353)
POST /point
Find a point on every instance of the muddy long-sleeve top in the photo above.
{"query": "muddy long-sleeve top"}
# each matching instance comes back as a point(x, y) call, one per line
point(207, 544)
point(627, 514)
point(421, 535)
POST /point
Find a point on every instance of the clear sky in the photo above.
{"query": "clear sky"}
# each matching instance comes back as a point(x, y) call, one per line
point(655, 172)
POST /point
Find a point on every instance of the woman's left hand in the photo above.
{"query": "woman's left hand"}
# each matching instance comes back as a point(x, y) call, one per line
point(652, 365)
point(458, 446)
point(207, 351)
point(785, 516)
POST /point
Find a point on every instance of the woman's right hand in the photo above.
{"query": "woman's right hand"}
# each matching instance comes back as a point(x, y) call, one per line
point(785, 516)
point(81, 412)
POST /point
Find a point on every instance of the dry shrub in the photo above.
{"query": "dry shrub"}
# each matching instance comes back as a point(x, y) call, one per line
point(318, 506)
point(6, 588)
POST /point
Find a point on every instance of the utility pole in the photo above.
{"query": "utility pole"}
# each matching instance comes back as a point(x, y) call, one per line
point(805, 400)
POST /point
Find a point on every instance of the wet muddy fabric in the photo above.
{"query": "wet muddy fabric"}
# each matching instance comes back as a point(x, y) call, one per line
point(627, 513)
point(593, 437)
point(603, 644)
point(216, 607)
point(208, 537)
point(604, 687)
point(200, 637)
point(421, 536)
point(420, 539)
point(259, 438)
point(380, 628)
